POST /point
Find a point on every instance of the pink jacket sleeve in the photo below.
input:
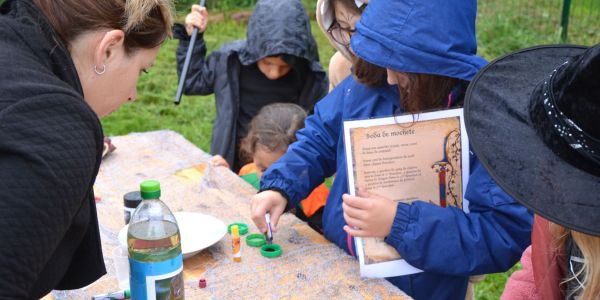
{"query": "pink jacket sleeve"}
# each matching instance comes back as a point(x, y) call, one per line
point(521, 284)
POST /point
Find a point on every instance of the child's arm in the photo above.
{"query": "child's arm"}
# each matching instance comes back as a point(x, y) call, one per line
point(491, 238)
point(201, 73)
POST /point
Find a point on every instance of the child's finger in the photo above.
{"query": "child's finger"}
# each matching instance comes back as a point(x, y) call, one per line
point(203, 11)
point(203, 19)
point(354, 231)
point(215, 160)
point(353, 221)
point(261, 225)
point(218, 161)
point(192, 20)
point(257, 213)
point(352, 211)
point(198, 8)
point(362, 193)
point(197, 20)
point(357, 202)
point(366, 194)
point(275, 214)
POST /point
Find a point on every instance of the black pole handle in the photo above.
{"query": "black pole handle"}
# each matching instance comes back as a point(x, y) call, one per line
point(186, 63)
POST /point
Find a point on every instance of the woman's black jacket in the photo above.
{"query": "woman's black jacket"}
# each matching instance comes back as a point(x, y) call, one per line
point(50, 150)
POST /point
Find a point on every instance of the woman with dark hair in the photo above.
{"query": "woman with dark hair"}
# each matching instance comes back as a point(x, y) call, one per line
point(429, 51)
point(65, 63)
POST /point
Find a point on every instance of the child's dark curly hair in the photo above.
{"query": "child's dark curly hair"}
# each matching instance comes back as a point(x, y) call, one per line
point(274, 127)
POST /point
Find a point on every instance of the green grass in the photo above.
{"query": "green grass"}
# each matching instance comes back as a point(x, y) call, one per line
point(492, 286)
point(504, 26)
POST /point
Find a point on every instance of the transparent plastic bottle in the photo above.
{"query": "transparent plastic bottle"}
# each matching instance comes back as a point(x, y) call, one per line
point(154, 247)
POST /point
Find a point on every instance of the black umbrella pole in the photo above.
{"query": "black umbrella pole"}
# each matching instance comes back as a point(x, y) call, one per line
point(186, 63)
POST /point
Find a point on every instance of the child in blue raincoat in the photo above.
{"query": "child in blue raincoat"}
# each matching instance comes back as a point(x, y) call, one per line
point(429, 49)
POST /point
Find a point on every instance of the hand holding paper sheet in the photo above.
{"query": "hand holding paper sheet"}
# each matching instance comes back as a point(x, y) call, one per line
point(405, 158)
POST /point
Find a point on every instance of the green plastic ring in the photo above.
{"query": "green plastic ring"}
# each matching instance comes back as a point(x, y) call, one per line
point(255, 240)
point(241, 226)
point(270, 251)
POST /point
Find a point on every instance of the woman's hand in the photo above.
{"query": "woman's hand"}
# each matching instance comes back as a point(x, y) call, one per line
point(218, 161)
point(368, 215)
point(267, 202)
point(197, 18)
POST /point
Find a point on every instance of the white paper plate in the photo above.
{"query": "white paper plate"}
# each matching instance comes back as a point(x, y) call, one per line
point(198, 231)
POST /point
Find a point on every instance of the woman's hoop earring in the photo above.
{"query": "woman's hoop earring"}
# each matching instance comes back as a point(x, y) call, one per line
point(100, 72)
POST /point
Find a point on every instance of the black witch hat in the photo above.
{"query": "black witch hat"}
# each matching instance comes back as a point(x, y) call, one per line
point(533, 119)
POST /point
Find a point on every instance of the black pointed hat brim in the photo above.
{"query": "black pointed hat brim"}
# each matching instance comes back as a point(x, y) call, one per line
point(502, 135)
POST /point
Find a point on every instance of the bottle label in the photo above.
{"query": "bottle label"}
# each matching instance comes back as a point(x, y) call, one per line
point(157, 280)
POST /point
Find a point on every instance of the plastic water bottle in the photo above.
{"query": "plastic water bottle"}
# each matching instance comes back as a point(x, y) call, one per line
point(154, 247)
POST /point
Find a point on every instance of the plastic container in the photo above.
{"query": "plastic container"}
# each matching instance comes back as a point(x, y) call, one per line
point(131, 201)
point(154, 246)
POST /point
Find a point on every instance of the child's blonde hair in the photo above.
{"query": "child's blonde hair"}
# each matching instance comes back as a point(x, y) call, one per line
point(274, 127)
point(590, 249)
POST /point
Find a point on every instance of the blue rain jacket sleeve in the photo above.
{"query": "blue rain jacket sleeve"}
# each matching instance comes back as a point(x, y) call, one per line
point(489, 239)
point(200, 79)
point(312, 157)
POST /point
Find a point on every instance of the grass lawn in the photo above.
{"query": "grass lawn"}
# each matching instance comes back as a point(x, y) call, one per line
point(492, 286)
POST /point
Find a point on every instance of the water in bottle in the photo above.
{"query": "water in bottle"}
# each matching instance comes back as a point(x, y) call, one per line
point(154, 246)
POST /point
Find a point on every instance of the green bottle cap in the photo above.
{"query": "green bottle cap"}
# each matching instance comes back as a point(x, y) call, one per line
point(255, 240)
point(271, 251)
point(150, 189)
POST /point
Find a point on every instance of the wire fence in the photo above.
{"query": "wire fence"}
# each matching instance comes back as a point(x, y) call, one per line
point(507, 25)
point(502, 25)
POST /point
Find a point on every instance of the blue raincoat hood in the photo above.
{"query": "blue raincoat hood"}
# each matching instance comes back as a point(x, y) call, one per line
point(420, 36)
